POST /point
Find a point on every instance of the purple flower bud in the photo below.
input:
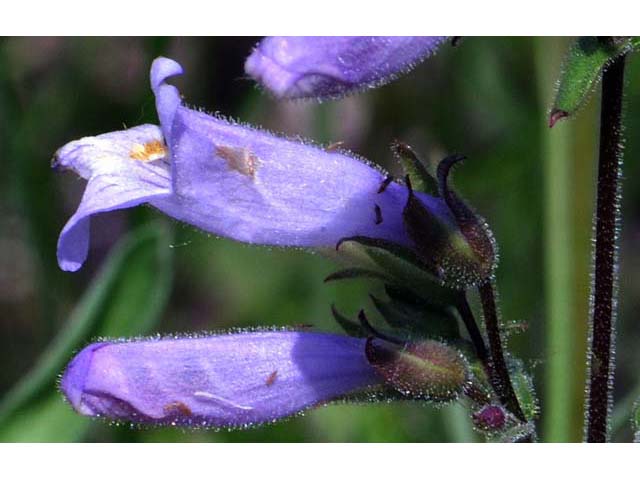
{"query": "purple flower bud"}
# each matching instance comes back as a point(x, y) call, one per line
point(216, 381)
point(490, 417)
point(231, 180)
point(325, 67)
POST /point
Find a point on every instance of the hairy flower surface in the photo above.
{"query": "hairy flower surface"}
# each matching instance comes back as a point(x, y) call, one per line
point(231, 180)
point(325, 67)
point(216, 381)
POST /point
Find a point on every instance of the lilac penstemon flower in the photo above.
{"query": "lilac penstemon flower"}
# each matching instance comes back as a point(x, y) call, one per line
point(225, 380)
point(231, 180)
point(242, 379)
point(326, 67)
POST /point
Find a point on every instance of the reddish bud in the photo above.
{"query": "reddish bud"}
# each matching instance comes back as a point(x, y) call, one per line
point(556, 115)
point(426, 370)
point(490, 417)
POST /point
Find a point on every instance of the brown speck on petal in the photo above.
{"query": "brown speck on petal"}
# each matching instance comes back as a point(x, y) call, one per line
point(332, 147)
point(271, 378)
point(177, 407)
point(241, 160)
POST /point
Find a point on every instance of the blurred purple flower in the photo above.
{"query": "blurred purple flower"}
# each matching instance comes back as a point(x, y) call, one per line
point(231, 180)
point(326, 67)
point(217, 381)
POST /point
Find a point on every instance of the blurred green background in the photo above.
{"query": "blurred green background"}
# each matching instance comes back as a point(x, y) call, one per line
point(487, 98)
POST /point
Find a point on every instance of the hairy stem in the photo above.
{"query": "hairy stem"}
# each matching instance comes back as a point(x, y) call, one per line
point(607, 219)
point(499, 371)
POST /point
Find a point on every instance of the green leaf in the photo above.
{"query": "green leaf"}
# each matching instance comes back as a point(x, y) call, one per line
point(354, 273)
point(125, 299)
point(523, 387)
point(582, 70)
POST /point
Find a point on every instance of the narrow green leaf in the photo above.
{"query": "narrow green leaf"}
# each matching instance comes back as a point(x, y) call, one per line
point(125, 299)
point(582, 70)
point(353, 273)
point(523, 386)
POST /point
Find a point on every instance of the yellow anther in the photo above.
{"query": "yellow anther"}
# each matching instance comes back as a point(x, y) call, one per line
point(148, 152)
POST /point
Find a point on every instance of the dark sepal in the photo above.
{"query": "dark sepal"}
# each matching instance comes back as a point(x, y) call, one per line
point(427, 370)
point(372, 332)
point(443, 246)
point(350, 327)
point(473, 227)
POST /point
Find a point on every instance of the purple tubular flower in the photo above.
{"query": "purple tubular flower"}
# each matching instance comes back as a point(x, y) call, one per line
point(217, 381)
point(231, 180)
point(326, 67)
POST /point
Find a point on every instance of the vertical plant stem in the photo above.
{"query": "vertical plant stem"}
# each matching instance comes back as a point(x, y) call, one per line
point(601, 355)
point(502, 380)
point(559, 257)
point(585, 158)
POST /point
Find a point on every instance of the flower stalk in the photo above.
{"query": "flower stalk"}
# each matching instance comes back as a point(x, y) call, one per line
point(499, 373)
point(474, 331)
point(607, 226)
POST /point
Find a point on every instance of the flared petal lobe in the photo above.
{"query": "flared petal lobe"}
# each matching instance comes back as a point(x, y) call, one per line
point(325, 67)
point(219, 381)
point(123, 169)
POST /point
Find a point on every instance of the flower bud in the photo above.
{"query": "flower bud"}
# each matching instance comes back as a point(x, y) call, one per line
point(490, 418)
point(427, 370)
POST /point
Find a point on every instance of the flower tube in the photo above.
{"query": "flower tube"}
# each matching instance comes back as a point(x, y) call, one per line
point(226, 380)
